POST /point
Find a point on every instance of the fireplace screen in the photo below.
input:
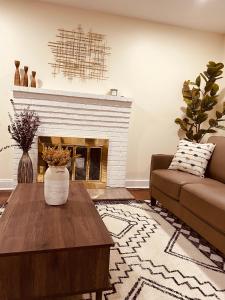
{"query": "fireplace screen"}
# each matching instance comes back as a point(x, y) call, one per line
point(91, 164)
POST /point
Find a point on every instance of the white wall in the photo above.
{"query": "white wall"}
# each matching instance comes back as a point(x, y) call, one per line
point(149, 63)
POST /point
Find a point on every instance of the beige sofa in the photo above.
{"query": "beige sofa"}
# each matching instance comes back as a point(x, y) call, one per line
point(199, 202)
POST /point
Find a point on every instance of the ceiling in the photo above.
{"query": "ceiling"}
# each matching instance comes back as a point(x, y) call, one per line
point(206, 15)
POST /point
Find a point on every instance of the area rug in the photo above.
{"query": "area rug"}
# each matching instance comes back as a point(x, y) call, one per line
point(152, 259)
point(157, 257)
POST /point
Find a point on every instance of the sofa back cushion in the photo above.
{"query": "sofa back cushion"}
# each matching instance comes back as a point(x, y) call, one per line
point(216, 166)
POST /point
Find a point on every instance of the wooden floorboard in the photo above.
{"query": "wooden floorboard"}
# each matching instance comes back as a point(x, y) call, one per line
point(4, 195)
point(140, 194)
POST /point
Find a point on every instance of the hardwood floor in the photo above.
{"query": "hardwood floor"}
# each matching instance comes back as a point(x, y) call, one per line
point(4, 195)
point(139, 194)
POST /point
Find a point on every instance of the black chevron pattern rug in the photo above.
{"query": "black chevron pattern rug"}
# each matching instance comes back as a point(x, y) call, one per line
point(157, 257)
point(153, 259)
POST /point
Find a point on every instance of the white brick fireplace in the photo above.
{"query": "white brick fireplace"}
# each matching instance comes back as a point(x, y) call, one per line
point(79, 115)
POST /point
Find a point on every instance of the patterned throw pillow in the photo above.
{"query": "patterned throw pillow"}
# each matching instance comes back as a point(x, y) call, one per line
point(192, 157)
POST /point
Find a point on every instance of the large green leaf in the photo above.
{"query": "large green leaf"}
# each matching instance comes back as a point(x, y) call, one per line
point(196, 104)
point(219, 114)
point(198, 81)
point(214, 89)
point(189, 113)
point(211, 131)
point(186, 120)
point(218, 73)
point(220, 66)
point(195, 93)
point(214, 69)
point(213, 122)
point(208, 86)
point(201, 117)
point(187, 101)
point(183, 125)
point(208, 102)
point(211, 64)
point(178, 120)
point(189, 135)
point(186, 90)
point(197, 137)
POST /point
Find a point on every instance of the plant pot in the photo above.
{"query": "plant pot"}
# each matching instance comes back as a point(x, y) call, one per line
point(25, 169)
point(56, 185)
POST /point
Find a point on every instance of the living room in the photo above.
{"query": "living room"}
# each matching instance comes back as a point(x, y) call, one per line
point(113, 110)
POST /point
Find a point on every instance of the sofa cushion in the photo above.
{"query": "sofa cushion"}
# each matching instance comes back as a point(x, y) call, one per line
point(207, 201)
point(216, 166)
point(170, 181)
point(192, 157)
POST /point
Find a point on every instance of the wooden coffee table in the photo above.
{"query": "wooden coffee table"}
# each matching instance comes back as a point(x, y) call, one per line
point(52, 251)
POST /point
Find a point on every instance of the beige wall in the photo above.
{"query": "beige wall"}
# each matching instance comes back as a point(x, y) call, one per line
point(224, 51)
point(149, 62)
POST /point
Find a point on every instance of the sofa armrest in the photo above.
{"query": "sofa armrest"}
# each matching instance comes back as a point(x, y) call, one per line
point(160, 161)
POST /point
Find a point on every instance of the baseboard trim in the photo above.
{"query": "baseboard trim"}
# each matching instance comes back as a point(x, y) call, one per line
point(6, 184)
point(137, 184)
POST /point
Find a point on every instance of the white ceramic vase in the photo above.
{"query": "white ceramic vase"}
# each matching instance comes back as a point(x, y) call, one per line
point(56, 185)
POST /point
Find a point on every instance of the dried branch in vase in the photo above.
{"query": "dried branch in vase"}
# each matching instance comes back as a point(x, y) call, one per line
point(23, 128)
point(7, 147)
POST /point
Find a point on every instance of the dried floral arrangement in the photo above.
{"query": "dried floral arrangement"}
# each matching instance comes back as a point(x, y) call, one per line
point(23, 128)
point(56, 156)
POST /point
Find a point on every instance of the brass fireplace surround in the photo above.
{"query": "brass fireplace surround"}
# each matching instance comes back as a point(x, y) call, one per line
point(91, 165)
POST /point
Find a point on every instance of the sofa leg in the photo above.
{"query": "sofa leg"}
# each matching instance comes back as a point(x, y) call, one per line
point(153, 202)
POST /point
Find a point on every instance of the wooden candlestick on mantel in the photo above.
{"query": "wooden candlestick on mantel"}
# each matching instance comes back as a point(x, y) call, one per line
point(25, 77)
point(17, 73)
point(33, 80)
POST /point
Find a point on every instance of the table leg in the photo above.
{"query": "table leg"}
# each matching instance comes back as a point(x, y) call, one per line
point(99, 295)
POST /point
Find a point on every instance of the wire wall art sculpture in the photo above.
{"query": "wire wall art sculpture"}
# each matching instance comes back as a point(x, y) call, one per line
point(80, 54)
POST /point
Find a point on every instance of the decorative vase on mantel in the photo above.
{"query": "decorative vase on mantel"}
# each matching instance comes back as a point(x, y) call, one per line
point(24, 80)
point(33, 80)
point(17, 73)
point(56, 185)
point(25, 169)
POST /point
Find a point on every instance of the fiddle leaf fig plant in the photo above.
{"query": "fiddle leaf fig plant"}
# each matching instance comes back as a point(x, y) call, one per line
point(201, 97)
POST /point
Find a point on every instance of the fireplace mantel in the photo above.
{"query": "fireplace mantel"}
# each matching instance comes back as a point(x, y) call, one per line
point(38, 94)
point(81, 115)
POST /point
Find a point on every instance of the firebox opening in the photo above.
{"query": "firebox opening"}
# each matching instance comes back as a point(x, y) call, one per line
point(91, 165)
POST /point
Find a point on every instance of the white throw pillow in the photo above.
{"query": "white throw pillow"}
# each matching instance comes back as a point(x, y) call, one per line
point(192, 157)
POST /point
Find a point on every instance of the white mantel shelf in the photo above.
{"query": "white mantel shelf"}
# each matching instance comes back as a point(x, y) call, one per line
point(65, 113)
point(38, 93)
